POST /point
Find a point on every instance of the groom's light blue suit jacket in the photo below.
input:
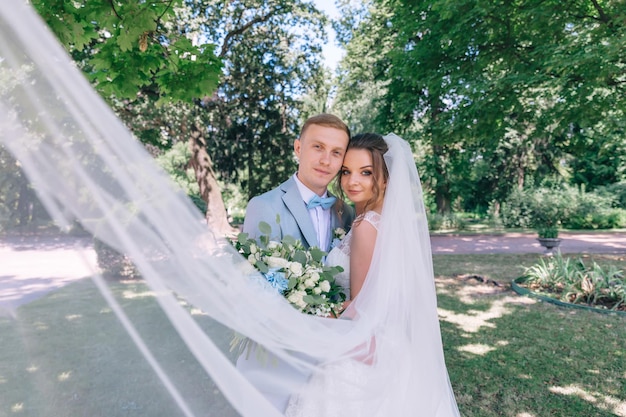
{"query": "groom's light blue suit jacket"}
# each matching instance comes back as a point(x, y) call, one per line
point(286, 202)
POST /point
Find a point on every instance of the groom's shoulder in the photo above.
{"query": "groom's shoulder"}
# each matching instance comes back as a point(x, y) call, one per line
point(274, 195)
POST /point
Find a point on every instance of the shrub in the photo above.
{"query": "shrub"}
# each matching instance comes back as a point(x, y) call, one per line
point(515, 212)
point(593, 210)
point(617, 192)
point(576, 283)
point(547, 209)
point(438, 221)
point(542, 209)
point(112, 263)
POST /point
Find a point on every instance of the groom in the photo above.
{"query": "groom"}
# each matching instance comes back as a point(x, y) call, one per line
point(306, 211)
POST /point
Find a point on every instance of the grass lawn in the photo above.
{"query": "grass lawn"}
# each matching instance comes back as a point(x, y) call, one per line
point(507, 355)
point(514, 356)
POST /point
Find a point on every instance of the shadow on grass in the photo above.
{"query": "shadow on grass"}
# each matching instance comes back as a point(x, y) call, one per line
point(68, 355)
point(509, 355)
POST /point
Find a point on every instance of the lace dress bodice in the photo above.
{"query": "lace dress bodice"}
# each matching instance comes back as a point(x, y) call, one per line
point(340, 254)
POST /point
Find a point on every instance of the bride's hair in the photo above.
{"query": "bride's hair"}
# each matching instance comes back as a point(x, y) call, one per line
point(376, 146)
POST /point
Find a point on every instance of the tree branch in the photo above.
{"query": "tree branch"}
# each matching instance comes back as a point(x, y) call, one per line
point(603, 16)
point(242, 29)
point(114, 11)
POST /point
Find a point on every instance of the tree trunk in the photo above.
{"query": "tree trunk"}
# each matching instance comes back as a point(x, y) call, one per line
point(216, 216)
point(442, 185)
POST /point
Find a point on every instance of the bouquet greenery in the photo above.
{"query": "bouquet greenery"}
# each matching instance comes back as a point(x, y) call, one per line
point(295, 272)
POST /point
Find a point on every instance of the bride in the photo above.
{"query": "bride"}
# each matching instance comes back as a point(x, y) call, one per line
point(387, 270)
point(384, 355)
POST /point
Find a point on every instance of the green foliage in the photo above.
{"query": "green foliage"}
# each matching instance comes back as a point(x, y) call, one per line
point(616, 191)
point(574, 282)
point(593, 211)
point(547, 209)
point(271, 52)
point(127, 47)
point(19, 205)
point(437, 221)
point(113, 263)
point(361, 82)
point(497, 101)
point(175, 162)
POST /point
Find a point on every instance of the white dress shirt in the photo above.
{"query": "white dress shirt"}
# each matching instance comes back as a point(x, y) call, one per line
point(319, 216)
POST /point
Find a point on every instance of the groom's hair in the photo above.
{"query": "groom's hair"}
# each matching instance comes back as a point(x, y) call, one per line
point(326, 120)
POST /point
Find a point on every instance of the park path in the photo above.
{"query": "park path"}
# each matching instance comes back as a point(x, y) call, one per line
point(31, 266)
point(581, 242)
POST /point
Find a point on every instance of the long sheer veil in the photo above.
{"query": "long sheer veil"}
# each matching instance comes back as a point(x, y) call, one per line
point(399, 295)
point(160, 345)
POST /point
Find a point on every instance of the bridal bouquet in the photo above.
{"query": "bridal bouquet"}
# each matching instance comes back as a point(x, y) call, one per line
point(296, 273)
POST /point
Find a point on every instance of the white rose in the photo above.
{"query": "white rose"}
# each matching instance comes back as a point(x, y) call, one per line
point(296, 298)
point(254, 248)
point(309, 283)
point(276, 262)
point(252, 259)
point(301, 302)
point(317, 290)
point(315, 276)
point(273, 245)
point(296, 269)
point(325, 286)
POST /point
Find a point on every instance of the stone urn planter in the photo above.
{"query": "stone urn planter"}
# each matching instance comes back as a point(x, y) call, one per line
point(550, 243)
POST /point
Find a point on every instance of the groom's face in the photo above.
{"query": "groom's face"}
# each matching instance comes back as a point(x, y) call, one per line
point(320, 150)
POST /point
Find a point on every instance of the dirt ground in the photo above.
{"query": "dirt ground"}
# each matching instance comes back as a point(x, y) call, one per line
point(31, 266)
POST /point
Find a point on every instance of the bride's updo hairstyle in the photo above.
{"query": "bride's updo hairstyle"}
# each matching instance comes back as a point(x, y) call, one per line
point(376, 146)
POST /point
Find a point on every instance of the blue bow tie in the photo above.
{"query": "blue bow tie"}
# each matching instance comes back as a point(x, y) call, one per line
point(326, 203)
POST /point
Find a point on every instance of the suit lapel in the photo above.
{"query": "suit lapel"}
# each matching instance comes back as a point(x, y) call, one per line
point(335, 220)
point(295, 204)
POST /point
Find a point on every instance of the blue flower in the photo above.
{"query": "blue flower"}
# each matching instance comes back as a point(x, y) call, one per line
point(277, 279)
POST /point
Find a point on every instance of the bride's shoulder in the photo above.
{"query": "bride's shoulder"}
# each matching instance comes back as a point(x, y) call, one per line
point(371, 217)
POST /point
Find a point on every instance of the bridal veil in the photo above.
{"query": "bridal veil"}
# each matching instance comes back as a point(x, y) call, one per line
point(160, 346)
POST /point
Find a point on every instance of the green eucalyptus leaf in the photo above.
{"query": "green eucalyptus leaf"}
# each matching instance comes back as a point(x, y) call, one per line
point(262, 266)
point(265, 228)
point(300, 256)
point(317, 254)
point(313, 299)
point(292, 283)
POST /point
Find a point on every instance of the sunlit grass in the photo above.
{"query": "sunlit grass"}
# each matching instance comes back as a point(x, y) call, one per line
point(515, 356)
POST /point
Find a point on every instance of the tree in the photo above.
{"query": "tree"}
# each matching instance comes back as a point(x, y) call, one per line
point(477, 80)
point(272, 60)
point(137, 59)
point(129, 47)
point(158, 63)
point(362, 79)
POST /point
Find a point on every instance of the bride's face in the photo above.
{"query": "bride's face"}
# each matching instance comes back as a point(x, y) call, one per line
point(357, 177)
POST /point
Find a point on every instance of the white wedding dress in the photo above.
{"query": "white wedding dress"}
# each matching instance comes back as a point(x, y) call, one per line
point(337, 391)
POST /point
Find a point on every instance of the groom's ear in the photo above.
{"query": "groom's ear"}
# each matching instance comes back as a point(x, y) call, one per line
point(297, 146)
